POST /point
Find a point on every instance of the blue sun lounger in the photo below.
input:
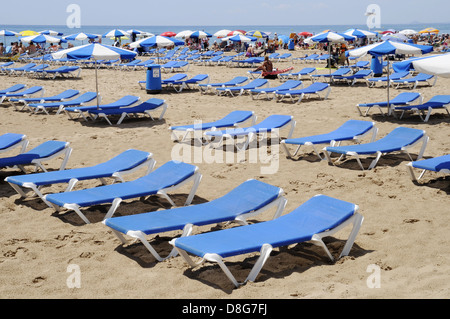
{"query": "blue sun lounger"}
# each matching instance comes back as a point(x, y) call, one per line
point(352, 130)
point(257, 83)
point(319, 217)
point(78, 101)
point(22, 94)
point(117, 167)
point(233, 119)
point(43, 152)
point(383, 79)
point(204, 87)
point(283, 57)
point(249, 199)
point(399, 139)
point(63, 96)
point(127, 100)
point(9, 141)
point(352, 79)
point(297, 75)
point(147, 107)
point(168, 177)
point(20, 70)
point(268, 125)
point(315, 88)
point(435, 103)
point(415, 80)
point(174, 78)
point(439, 164)
point(288, 85)
point(178, 86)
point(62, 71)
point(337, 73)
point(12, 89)
point(402, 99)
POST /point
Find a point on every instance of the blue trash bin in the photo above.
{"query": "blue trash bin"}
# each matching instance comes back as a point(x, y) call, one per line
point(377, 67)
point(291, 45)
point(153, 83)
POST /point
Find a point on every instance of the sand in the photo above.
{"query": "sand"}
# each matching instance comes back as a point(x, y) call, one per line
point(400, 252)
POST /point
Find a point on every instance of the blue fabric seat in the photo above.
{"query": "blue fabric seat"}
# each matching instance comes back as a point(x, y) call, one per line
point(246, 200)
point(435, 103)
point(146, 108)
point(63, 96)
point(118, 166)
point(9, 141)
point(439, 164)
point(43, 152)
point(399, 139)
point(257, 83)
point(318, 217)
point(204, 87)
point(78, 101)
point(402, 99)
point(167, 177)
point(288, 85)
point(22, 94)
point(414, 81)
point(351, 130)
point(315, 88)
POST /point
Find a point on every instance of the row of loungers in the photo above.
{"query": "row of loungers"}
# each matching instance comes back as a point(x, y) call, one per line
point(41, 70)
point(319, 217)
point(72, 102)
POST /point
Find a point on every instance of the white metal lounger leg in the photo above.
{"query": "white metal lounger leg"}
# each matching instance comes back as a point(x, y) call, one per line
point(196, 178)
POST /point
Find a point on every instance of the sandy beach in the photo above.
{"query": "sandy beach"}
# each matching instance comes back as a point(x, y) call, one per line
point(404, 234)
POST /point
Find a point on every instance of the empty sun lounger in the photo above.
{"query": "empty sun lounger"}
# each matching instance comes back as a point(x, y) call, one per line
point(43, 152)
point(319, 217)
point(415, 80)
point(168, 177)
point(383, 79)
point(257, 83)
point(78, 101)
point(299, 75)
point(63, 96)
point(19, 70)
point(337, 73)
point(117, 167)
point(352, 79)
point(146, 108)
point(425, 109)
point(404, 98)
point(62, 71)
point(398, 140)
point(180, 85)
point(9, 141)
point(22, 94)
point(164, 82)
point(233, 119)
point(352, 130)
point(127, 100)
point(288, 85)
point(247, 200)
point(268, 125)
point(204, 87)
point(12, 89)
point(315, 88)
point(177, 66)
point(439, 164)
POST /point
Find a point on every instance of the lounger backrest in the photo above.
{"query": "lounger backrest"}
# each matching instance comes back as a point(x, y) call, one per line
point(316, 87)
point(9, 139)
point(47, 148)
point(398, 75)
point(306, 70)
point(126, 100)
point(402, 136)
point(289, 84)
point(440, 99)
point(273, 121)
point(86, 97)
point(237, 80)
point(405, 97)
point(13, 88)
point(235, 117)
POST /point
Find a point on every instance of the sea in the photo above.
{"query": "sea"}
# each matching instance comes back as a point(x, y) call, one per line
point(444, 28)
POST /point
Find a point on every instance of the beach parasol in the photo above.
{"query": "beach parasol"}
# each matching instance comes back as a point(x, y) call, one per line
point(257, 34)
point(331, 37)
point(361, 33)
point(398, 37)
point(200, 35)
point(51, 32)
point(388, 31)
point(235, 32)
point(429, 30)
point(81, 36)
point(408, 32)
point(26, 33)
point(41, 38)
point(7, 33)
point(116, 33)
point(183, 34)
point(156, 41)
point(435, 64)
point(305, 34)
point(168, 34)
point(387, 48)
point(222, 33)
point(95, 51)
point(239, 38)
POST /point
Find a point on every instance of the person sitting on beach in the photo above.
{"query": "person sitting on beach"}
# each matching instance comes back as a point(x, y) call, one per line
point(2, 49)
point(266, 67)
point(32, 48)
point(250, 51)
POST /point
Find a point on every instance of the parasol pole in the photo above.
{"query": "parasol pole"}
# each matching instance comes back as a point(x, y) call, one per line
point(388, 84)
point(329, 60)
point(96, 83)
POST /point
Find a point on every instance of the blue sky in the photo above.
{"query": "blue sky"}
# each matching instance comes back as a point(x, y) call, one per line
point(223, 12)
